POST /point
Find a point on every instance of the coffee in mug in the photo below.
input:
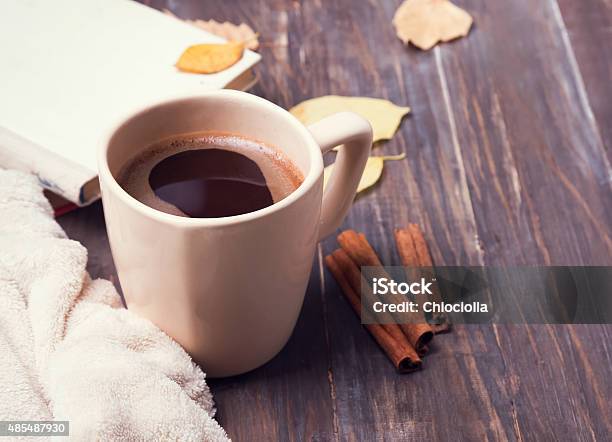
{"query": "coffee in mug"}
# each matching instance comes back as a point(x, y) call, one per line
point(209, 175)
point(228, 289)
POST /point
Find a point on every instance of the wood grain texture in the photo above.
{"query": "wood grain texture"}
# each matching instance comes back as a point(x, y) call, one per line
point(535, 165)
point(536, 168)
point(589, 29)
point(508, 163)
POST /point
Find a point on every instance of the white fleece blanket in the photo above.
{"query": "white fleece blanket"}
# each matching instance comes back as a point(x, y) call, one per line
point(70, 351)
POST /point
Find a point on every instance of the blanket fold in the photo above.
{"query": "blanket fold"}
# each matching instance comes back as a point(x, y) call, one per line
point(70, 351)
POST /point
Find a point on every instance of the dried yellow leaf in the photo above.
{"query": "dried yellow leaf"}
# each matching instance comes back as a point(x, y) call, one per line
point(426, 22)
point(383, 115)
point(210, 58)
point(241, 33)
point(371, 173)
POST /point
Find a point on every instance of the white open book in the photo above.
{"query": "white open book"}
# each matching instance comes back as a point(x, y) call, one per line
point(70, 68)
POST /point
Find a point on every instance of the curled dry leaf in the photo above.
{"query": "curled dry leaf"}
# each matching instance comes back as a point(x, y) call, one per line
point(238, 33)
point(371, 173)
point(241, 33)
point(210, 58)
point(426, 22)
point(383, 115)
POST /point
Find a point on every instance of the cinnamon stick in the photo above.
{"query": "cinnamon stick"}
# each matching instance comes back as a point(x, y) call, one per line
point(413, 251)
point(354, 278)
point(418, 331)
point(389, 337)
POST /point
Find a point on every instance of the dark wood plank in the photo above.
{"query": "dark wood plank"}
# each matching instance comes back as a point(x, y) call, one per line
point(559, 380)
point(87, 226)
point(536, 168)
point(500, 408)
point(589, 28)
point(456, 396)
point(429, 187)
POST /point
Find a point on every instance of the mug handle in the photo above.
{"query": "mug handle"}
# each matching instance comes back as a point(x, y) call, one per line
point(355, 134)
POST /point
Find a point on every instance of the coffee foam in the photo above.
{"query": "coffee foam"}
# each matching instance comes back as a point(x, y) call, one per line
point(282, 176)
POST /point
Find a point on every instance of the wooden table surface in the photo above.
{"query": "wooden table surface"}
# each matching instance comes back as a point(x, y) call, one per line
point(509, 150)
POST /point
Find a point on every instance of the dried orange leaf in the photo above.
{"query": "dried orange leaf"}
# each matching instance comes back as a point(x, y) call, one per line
point(384, 116)
point(242, 33)
point(371, 173)
point(210, 58)
point(426, 22)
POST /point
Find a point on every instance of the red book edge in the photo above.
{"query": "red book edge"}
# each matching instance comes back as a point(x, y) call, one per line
point(60, 205)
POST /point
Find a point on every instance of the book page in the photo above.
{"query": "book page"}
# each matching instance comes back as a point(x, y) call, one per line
point(71, 68)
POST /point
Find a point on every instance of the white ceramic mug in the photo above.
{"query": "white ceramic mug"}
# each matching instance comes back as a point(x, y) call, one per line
point(230, 289)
